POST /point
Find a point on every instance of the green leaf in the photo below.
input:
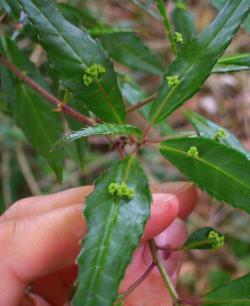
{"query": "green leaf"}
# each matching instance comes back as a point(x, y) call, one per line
point(219, 4)
point(81, 144)
point(129, 50)
point(218, 169)
point(71, 51)
point(183, 21)
point(132, 93)
point(11, 7)
point(123, 45)
point(196, 60)
point(234, 293)
point(31, 112)
point(115, 226)
point(205, 238)
point(106, 30)
point(100, 129)
point(209, 129)
point(78, 16)
point(232, 63)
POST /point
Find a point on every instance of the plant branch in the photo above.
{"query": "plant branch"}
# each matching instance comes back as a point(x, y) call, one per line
point(141, 104)
point(167, 24)
point(164, 275)
point(41, 91)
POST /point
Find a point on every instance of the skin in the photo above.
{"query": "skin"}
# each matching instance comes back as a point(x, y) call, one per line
point(39, 243)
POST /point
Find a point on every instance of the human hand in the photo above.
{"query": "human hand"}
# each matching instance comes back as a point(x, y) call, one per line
point(39, 243)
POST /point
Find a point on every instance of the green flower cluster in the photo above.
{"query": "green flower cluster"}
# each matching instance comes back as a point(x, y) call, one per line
point(173, 81)
point(216, 240)
point(220, 134)
point(93, 72)
point(193, 152)
point(181, 6)
point(178, 37)
point(121, 190)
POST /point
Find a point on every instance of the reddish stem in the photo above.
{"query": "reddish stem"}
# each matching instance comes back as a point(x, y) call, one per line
point(141, 104)
point(41, 91)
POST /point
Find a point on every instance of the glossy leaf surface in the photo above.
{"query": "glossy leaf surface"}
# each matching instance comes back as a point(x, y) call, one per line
point(218, 169)
point(200, 239)
point(115, 226)
point(209, 129)
point(71, 51)
point(219, 4)
point(31, 112)
point(196, 60)
point(130, 50)
point(100, 129)
point(123, 45)
point(234, 293)
point(183, 21)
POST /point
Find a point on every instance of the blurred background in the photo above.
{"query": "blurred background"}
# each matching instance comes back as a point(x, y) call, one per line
point(224, 99)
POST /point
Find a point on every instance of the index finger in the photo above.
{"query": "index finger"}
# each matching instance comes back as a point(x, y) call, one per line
point(33, 206)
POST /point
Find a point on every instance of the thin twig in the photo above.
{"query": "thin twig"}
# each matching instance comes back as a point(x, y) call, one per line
point(41, 91)
point(141, 104)
point(26, 170)
point(167, 24)
point(125, 294)
point(164, 275)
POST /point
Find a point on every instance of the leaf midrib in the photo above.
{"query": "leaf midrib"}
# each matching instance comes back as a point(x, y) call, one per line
point(164, 102)
point(81, 61)
point(207, 163)
point(106, 239)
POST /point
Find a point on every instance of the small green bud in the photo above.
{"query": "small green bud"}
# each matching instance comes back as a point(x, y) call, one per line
point(173, 81)
point(181, 5)
point(113, 188)
point(93, 72)
point(193, 152)
point(220, 134)
point(87, 80)
point(216, 240)
point(121, 190)
point(130, 194)
point(178, 37)
point(101, 69)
